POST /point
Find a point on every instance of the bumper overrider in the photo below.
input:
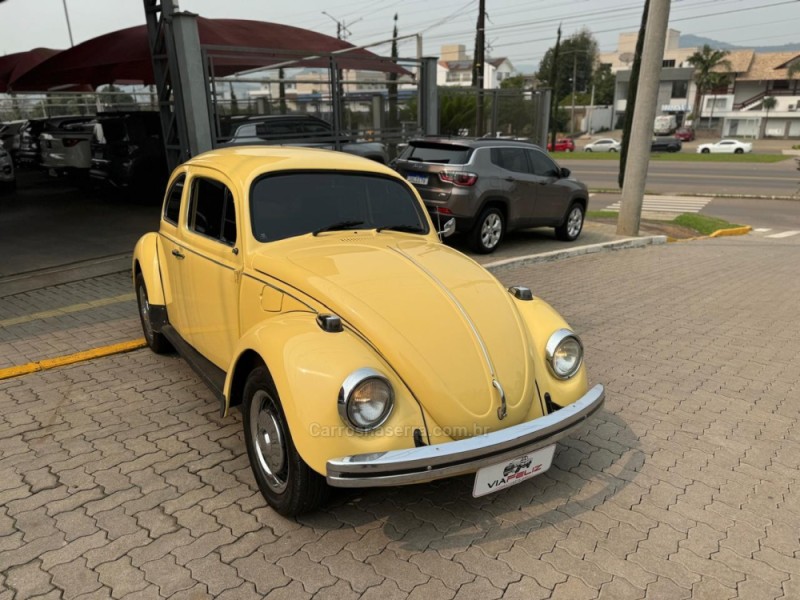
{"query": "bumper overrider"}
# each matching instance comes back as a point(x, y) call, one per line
point(427, 463)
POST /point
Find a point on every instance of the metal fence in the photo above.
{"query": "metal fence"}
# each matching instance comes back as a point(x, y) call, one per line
point(57, 104)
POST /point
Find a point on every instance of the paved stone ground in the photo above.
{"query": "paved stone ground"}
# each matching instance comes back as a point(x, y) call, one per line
point(118, 479)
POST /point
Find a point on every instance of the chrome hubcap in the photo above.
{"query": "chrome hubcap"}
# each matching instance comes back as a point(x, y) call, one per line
point(144, 310)
point(575, 222)
point(490, 230)
point(270, 442)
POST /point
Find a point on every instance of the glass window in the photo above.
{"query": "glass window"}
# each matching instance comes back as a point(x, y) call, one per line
point(542, 165)
point(292, 204)
point(680, 89)
point(447, 154)
point(172, 207)
point(511, 159)
point(211, 211)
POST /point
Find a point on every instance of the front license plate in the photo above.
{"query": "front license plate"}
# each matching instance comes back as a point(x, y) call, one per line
point(417, 179)
point(511, 472)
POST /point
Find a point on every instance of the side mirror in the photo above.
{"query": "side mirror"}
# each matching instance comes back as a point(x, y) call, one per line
point(448, 229)
point(564, 173)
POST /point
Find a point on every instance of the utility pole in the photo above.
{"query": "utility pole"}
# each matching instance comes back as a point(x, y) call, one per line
point(554, 86)
point(478, 67)
point(342, 32)
point(69, 27)
point(630, 213)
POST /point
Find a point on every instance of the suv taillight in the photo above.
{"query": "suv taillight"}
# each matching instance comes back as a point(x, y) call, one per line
point(461, 178)
point(70, 142)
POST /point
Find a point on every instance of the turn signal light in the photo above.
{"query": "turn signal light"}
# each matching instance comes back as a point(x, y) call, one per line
point(461, 178)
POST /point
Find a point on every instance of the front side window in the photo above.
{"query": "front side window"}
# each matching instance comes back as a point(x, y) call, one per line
point(211, 211)
point(542, 165)
point(172, 207)
point(296, 203)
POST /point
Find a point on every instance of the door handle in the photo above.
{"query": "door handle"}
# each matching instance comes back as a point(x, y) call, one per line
point(178, 254)
point(510, 179)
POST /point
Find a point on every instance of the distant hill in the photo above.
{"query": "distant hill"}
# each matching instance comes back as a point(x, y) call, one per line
point(695, 41)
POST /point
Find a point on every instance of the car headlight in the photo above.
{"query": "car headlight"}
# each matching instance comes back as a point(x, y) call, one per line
point(564, 353)
point(365, 400)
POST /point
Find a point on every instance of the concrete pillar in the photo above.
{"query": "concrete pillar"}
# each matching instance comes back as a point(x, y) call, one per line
point(428, 96)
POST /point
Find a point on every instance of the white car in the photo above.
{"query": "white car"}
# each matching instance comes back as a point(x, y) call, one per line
point(8, 179)
point(67, 150)
point(726, 147)
point(603, 145)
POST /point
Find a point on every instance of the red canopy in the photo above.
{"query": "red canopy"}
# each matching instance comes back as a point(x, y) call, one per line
point(13, 66)
point(124, 56)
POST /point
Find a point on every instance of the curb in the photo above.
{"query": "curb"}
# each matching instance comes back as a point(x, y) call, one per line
point(732, 231)
point(530, 259)
point(693, 195)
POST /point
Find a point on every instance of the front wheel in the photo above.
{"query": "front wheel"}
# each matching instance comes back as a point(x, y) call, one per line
point(613, 150)
point(156, 341)
point(488, 231)
point(738, 151)
point(587, 149)
point(573, 224)
point(287, 483)
point(705, 151)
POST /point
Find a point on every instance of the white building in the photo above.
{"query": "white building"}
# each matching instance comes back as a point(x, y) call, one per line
point(455, 68)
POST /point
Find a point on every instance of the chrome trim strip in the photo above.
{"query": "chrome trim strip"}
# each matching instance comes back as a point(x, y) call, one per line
point(414, 465)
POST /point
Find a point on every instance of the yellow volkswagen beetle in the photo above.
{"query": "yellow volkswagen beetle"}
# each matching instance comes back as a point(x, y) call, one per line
point(311, 288)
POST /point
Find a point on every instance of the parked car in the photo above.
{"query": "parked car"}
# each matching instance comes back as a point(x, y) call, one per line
point(299, 130)
point(10, 137)
point(726, 147)
point(128, 151)
point(30, 151)
point(361, 350)
point(67, 150)
point(8, 179)
point(603, 145)
point(494, 186)
point(665, 144)
point(562, 145)
point(685, 134)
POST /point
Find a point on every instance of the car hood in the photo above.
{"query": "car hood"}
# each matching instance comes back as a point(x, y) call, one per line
point(444, 324)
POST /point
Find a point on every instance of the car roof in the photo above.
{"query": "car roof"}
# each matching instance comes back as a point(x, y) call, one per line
point(474, 142)
point(243, 163)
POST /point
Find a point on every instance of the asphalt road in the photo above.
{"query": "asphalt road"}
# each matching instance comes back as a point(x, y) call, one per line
point(761, 179)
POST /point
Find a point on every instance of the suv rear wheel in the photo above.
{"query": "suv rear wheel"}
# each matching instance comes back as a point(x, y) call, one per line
point(573, 224)
point(488, 231)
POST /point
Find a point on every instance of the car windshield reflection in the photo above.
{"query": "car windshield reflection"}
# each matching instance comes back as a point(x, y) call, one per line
point(292, 204)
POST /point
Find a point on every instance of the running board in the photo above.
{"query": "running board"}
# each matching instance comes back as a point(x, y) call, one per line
point(209, 373)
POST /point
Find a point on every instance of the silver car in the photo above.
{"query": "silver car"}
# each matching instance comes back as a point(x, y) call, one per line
point(603, 145)
point(491, 186)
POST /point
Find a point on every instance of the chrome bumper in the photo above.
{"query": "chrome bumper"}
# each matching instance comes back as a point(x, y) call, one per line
point(415, 465)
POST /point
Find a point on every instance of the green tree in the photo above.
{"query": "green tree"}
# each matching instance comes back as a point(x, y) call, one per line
point(456, 111)
point(579, 51)
point(768, 103)
point(705, 61)
point(604, 83)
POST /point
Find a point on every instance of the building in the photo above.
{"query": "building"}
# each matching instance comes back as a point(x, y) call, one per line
point(736, 109)
point(455, 68)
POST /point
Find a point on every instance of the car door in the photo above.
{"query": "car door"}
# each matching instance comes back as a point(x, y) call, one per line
point(726, 146)
point(212, 267)
point(552, 196)
point(517, 182)
point(172, 254)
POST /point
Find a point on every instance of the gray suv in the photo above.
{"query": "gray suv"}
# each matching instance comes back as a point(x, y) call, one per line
point(491, 186)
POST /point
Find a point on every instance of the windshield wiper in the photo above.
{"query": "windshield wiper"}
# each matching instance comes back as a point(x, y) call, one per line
point(403, 228)
point(339, 225)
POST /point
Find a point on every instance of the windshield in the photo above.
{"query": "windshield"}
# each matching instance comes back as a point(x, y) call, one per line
point(297, 203)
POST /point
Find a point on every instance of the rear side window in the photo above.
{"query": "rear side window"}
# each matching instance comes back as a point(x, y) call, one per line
point(511, 159)
point(211, 211)
point(173, 205)
point(445, 154)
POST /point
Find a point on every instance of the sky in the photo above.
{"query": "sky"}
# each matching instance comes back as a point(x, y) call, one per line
point(521, 30)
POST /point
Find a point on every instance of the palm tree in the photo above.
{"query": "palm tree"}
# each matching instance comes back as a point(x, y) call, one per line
point(768, 103)
point(705, 61)
point(715, 80)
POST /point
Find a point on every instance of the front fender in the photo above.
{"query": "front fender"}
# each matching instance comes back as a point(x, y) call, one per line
point(145, 255)
point(308, 367)
point(542, 321)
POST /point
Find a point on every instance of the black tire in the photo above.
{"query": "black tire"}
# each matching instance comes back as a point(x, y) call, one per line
point(587, 149)
point(612, 149)
point(156, 341)
point(672, 148)
point(287, 483)
point(488, 231)
point(572, 226)
point(738, 151)
point(705, 151)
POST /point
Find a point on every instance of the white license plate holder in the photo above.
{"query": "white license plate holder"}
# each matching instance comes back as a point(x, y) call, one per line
point(510, 472)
